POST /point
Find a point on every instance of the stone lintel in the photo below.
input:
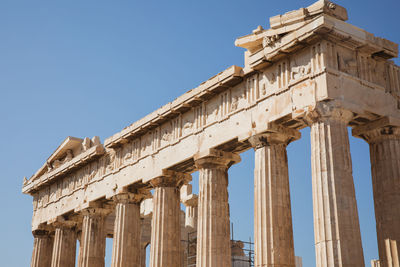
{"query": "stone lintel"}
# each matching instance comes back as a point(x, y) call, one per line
point(381, 127)
point(216, 157)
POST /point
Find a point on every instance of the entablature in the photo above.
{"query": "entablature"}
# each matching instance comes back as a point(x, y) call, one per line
point(194, 97)
point(268, 46)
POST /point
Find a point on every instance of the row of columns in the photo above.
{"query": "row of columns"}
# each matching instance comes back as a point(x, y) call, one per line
point(336, 223)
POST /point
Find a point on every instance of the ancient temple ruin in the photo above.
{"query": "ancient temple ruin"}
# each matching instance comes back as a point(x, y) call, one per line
point(309, 69)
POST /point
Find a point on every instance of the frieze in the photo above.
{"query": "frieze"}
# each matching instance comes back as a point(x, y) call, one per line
point(202, 115)
point(256, 87)
point(77, 180)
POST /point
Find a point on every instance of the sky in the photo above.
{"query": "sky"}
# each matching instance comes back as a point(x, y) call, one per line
point(86, 68)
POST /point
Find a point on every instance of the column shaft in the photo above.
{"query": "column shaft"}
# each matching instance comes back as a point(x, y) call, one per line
point(93, 240)
point(213, 236)
point(42, 249)
point(126, 243)
point(385, 166)
point(336, 224)
point(213, 227)
point(191, 217)
point(273, 231)
point(64, 248)
point(165, 227)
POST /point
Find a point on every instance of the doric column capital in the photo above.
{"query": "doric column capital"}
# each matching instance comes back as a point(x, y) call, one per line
point(276, 134)
point(38, 233)
point(131, 198)
point(214, 158)
point(44, 229)
point(42, 248)
point(381, 129)
point(324, 111)
point(95, 211)
point(387, 132)
point(61, 222)
point(192, 201)
point(169, 178)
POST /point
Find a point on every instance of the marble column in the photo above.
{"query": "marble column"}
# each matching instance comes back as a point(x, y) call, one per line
point(42, 249)
point(93, 238)
point(384, 145)
point(165, 226)
point(64, 248)
point(213, 227)
point(336, 223)
point(145, 235)
point(126, 241)
point(273, 230)
point(191, 213)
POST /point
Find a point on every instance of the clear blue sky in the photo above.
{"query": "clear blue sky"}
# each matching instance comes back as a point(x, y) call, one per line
point(85, 68)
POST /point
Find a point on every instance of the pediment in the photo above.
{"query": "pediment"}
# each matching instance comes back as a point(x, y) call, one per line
point(70, 148)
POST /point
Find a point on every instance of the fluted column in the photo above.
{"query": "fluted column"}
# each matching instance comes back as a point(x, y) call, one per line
point(384, 145)
point(336, 224)
point(93, 239)
point(126, 239)
point(213, 229)
point(190, 201)
point(64, 248)
point(273, 231)
point(165, 226)
point(42, 249)
point(191, 213)
point(392, 253)
point(145, 233)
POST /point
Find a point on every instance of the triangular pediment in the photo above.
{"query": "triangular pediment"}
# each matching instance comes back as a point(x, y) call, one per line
point(68, 149)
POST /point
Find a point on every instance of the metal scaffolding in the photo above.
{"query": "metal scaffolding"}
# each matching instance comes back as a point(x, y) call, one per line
point(245, 260)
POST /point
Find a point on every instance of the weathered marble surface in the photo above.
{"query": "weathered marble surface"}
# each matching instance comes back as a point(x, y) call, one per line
point(309, 69)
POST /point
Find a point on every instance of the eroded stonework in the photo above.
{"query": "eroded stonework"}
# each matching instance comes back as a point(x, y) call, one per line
point(309, 69)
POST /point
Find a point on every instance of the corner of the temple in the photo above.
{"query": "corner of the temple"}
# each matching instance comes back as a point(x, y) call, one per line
point(280, 25)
